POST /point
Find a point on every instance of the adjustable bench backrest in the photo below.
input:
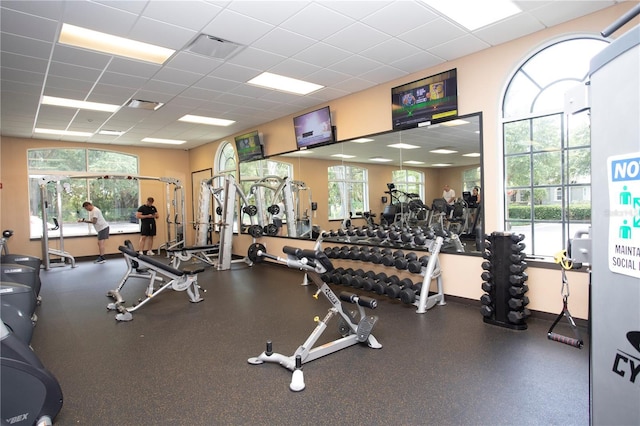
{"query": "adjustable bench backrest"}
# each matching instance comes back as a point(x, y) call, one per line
point(151, 261)
point(316, 255)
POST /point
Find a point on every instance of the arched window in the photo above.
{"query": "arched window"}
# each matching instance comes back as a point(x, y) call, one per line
point(255, 170)
point(409, 181)
point(118, 199)
point(547, 152)
point(348, 191)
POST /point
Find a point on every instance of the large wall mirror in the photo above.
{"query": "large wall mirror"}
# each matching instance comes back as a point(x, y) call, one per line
point(394, 178)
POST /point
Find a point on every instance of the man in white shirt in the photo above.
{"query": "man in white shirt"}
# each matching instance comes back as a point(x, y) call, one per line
point(101, 226)
point(449, 196)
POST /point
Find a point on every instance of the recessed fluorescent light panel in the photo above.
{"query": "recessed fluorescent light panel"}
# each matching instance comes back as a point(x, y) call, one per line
point(284, 84)
point(165, 141)
point(413, 162)
point(198, 119)
point(343, 156)
point(472, 154)
point(443, 151)
point(63, 132)
point(403, 146)
point(107, 43)
point(441, 164)
point(380, 159)
point(111, 132)
point(72, 103)
point(474, 14)
point(362, 140)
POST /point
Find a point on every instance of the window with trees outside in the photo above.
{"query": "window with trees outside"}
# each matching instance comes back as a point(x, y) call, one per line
point(225, 164)
point(409, 181)
point(77, 175)
point(547, 162)
point(348, 191)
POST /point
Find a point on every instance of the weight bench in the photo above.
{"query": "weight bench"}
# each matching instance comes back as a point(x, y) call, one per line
point(204, 254)
point(353, 328)
point(179, 280)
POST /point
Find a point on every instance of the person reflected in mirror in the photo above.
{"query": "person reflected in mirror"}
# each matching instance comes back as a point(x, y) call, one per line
point(147, 213)
point(449, 196)
point(101, 226)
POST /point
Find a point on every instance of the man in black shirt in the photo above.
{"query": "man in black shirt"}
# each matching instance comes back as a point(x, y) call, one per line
point(147, 213)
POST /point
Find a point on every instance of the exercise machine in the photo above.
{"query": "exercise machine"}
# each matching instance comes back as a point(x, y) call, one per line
point(31, 394)
point(353, 328)
point(179, 280)
point(47, 251)
point(16, 303)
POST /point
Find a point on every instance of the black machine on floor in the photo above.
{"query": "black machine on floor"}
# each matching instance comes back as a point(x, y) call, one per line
point(31, 395)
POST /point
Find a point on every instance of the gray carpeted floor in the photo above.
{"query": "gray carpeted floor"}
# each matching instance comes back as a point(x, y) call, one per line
point(179, 363)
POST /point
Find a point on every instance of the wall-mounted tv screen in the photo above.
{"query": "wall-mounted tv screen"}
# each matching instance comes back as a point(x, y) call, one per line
point(431, 99)
point(249, 147)
point(313, 128)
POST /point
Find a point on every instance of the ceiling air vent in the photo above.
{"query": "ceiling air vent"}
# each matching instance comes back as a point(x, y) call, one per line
point(140, 104)
point(214, 47)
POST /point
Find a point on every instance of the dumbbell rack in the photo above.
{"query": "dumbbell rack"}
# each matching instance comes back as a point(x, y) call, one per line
point(504, 281)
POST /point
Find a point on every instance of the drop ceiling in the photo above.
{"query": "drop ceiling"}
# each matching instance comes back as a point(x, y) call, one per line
point(346, 46)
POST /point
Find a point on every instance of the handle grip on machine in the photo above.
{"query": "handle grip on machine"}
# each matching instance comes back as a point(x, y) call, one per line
point(576, 343)
point(367, 302)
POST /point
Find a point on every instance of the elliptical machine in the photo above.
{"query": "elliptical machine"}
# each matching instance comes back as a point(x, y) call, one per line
point(31, 394)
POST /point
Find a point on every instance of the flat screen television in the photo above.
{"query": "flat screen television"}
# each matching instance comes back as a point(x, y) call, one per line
point(249, 147)
point(430, 99)
point(313, 128)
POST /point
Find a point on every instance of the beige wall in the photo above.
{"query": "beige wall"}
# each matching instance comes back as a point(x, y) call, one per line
point(14, 200)
point(481, 80)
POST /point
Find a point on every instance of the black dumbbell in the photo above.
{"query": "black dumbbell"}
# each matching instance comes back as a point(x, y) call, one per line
point(486, 276)
point(365, 254)
point(516, 238)
point(408, 295)
point(380, 286)
point(517, 268)
point(488, 287)
point(517, 257)
point(518, 317)
point(346, 280)
point(518, 291)
point(518, 279)
point(403, 262)
point(390, 259)
point(328, 251)
point(518, 303)
point(517, 248)
point(393, 290)
point(371, 278)
point(354, 252)
point(485, 299)
point(486, 266)
point(415, 266)
point(486, 311)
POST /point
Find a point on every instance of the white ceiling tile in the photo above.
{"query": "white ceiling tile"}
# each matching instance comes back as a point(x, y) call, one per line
point(161, 34)
point(24, 63)
point(317, 22)
point(98, 17)
point(327, 77)
point(355, 65)
point(136, 6)
point(191, 62)
point(122, 80)
point(294, 69)
point(390, 51)
point(109, 94)
point(274, 12)
point(235, 73)
point(322, 54)
point(194, 17)
point(27, 93)
point(63, 92)
point(21, 76)
point(356, 9)
point(558, 12)
point(73, 72)
point(168, 89)
point(459, 47)
point(382, 74)
point(527, 5)
point(395, 18)
point(256, 59)
point(172, 75)
point(329, 93)
point(356, 37)
point(133, 67)
point(283, 42)
point(432, 34)
point(214, 83)
point(79, 86)
point(80, 57)
point(505, 30)
point(46, 9)
point(27, 25)
point(417, 62)
point(232, 26)
point(200, 93)
point(25, 46)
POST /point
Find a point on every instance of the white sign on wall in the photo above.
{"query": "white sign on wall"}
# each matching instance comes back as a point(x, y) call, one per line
point(624, 214)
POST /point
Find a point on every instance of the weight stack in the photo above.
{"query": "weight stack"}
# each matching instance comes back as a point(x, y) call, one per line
point(504, 281)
